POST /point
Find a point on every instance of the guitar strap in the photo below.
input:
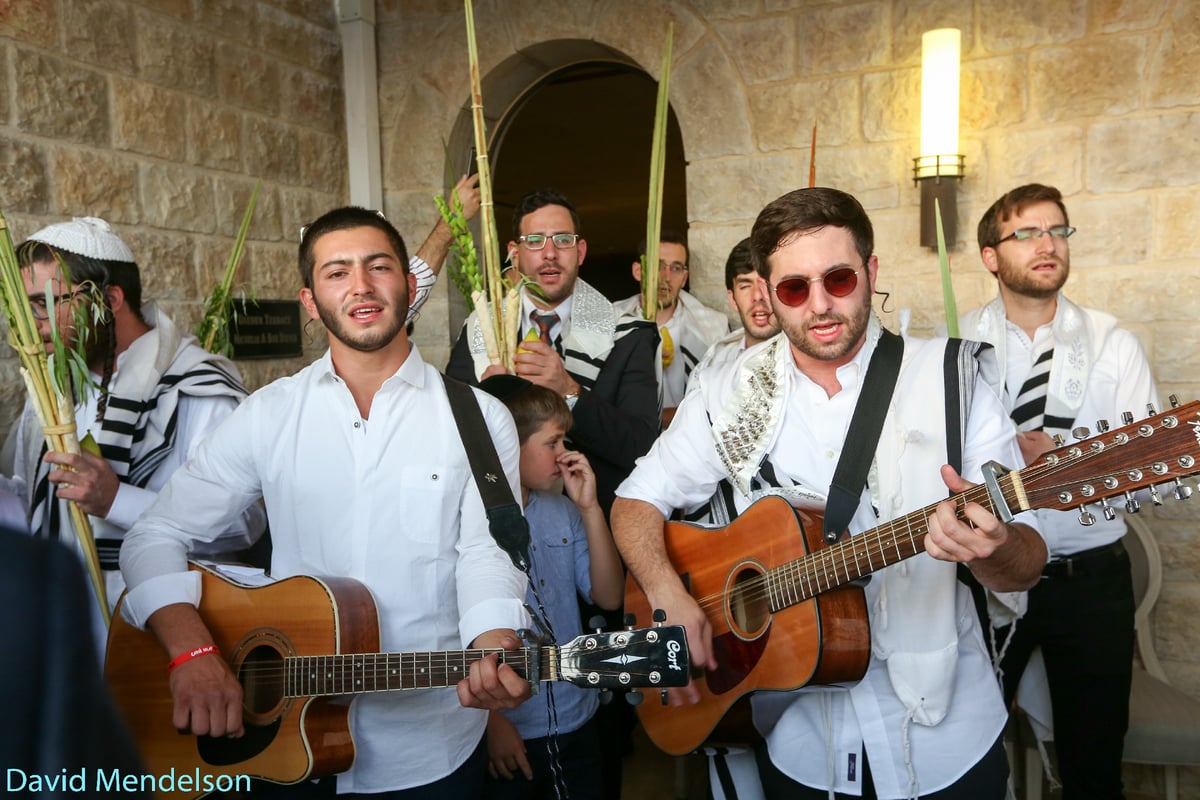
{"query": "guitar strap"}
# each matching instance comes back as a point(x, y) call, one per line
point(865, 426)
point(506, 522)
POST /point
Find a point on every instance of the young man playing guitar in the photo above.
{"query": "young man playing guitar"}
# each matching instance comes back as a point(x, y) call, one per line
point(925, 720)
point(352, 489)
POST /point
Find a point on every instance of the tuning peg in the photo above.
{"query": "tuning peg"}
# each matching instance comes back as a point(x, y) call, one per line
point(1102, 426)
point(634, 698)
point(1131, 504)
point(664, 695)
point(630, 621)
point(1081, 433)
point(1059, 441)
point(660, 617)
point(606, 696)
point(1126, 417)
point(1173, 399)
point(1086, 518)
point(1110, 513)
point(1150, 412)
point(1182, 491)
point(596, 623)
point(1155, 497)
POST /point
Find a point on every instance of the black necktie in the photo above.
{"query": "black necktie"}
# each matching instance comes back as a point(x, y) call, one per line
point(1029, 411)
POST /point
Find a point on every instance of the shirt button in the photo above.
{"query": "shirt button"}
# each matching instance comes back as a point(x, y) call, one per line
point(564, 540)
point(357, 424)
point(829, 454)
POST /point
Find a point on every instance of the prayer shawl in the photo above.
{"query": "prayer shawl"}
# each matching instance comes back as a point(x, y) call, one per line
point(914, 626)
point(587, 339)
point(139, 424)
point(1079, 334)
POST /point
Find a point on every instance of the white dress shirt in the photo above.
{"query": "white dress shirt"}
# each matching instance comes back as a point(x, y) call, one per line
point(389, 501)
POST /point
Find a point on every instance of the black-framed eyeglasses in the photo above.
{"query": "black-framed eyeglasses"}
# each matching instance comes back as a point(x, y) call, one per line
point(839, 282)
point(537, 241)
point(40, 307)
point(304, 228)
point(675, 268)
point(1025, 234)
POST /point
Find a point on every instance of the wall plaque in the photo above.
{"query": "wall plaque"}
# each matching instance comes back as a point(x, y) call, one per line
point(266, 329)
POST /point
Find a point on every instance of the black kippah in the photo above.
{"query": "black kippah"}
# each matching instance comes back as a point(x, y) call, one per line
point(504, 386)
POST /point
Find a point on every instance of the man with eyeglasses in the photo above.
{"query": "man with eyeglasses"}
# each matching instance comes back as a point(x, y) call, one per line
point(926, 718)
point(1064, 366)
point(600, 360)
point(156, 394)
point(686, 326)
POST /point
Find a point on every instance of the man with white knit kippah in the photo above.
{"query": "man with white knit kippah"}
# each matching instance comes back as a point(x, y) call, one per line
point(1064, 366)
point(157, 393)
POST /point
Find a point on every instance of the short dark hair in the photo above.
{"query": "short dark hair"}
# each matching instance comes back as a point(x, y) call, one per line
point(341, 219)
point(1014, 202)
point(534, 406)
point(738, 263)
point(86, 269)
point(806, 210)
point(670, 236)
point(540, 198)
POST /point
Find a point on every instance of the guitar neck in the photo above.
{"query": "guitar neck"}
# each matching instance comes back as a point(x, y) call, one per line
point(356, 673)
point(855, 557)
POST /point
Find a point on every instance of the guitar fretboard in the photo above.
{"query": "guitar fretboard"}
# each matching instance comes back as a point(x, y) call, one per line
point(354, 673)
point(854, 557)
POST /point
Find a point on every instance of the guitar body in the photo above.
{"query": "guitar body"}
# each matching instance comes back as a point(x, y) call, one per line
point(287, 740)
point(825, 639)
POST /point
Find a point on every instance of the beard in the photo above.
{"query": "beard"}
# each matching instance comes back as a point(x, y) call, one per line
point(364, 341)
point(854, 327)
point(1023, 281)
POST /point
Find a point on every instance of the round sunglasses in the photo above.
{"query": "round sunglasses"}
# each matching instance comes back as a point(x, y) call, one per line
point(838, 282)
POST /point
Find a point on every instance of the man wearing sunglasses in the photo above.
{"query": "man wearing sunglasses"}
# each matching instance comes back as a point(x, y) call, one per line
point(686, 326)
point(156, 394)
point(1064, 366)
point(600, 360)
point(926, 719)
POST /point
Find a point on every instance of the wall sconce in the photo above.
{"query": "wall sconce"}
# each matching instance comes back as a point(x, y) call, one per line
point(939, 168)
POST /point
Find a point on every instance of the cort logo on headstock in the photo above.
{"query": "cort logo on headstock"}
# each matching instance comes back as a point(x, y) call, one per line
point(673, 649)
point(1195, 423)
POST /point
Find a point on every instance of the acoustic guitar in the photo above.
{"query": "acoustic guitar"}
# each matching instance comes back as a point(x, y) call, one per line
point(783, 605)
point(301, 643)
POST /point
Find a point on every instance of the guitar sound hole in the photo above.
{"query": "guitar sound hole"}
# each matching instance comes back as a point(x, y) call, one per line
point(748, 603)
point(262, 676)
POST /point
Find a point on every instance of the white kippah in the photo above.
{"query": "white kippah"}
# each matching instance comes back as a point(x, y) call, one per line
point(85, 236)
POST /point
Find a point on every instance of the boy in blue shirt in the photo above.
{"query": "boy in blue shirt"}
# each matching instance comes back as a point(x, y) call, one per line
point(571, 551)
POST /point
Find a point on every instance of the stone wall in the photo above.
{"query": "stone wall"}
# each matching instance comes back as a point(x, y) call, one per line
point(1098, 97)
point(159, 116)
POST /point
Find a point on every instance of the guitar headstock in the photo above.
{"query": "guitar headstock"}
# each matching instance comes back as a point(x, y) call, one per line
point(656, 657)
point(1164, 448)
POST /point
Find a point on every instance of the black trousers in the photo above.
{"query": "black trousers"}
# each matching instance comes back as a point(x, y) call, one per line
point(1083, 622)
point(578, 757)
point(987, 780)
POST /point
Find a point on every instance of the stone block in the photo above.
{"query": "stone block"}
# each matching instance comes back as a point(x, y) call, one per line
point(23, 176)
point(316, 11)
point(1175, 615)
point(179, 9)
point(639, 30)
point(149, 119)
point(323, 162)
point(1174, 351)
point(273, 270)
point(271, 150)
point(30, 21)
point(709, 131)
point(844, 37)
point(311, 100)
point(300, 206)
point(873, 173)
point(891, 105)
point(763, 49)
point(726, 9)
point(911, 20)
point(295, 39)
point(992, 93)
point(168, 265)
point(407, 160)
point(233, 197)
point(734, 189)
point(782, 115)
point(1113, 87)
point(1168, 81)
point(214, 135)
point(234, 21)
point(1052, 156)
point(95, 184)
point(248, 79)
point(1022, 24)
point(1104, 237)
point(1116, 16)
point(1128, 154)
point(1175, 231)
point(172, 54)
point(100, 33)
point(61, 100)
point(176, 198)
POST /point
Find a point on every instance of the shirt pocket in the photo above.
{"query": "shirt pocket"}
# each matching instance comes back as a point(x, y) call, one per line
point(429, 502)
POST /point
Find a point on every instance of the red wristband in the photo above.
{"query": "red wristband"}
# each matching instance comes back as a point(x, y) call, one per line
point(185, 657)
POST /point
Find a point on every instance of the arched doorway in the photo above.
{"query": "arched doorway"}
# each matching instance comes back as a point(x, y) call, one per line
point(579, 117)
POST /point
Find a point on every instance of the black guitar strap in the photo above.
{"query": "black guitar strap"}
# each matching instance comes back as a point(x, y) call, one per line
point(851, 474)
point(507, 524)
